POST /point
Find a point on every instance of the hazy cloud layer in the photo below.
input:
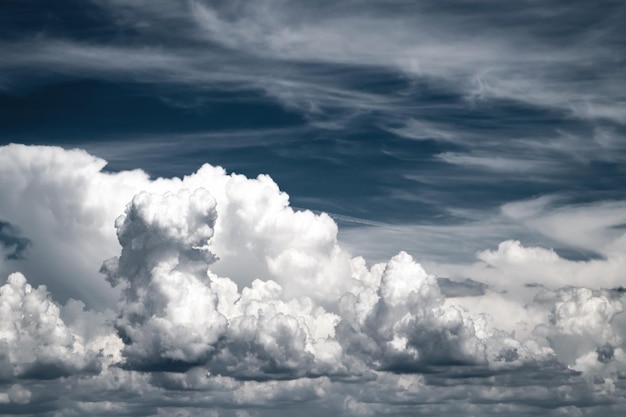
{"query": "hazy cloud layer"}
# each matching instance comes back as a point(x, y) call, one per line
point(230, 302)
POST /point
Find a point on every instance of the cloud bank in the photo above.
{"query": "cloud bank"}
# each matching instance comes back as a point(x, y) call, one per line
point(216, 297)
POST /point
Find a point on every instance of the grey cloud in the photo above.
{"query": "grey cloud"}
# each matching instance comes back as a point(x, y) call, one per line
point(465, 288)
point(606, 353)
point(39, 344)
point(500, 58)
point(496, 163)
point(14, 245)
point(231, 301)
point(403, 38)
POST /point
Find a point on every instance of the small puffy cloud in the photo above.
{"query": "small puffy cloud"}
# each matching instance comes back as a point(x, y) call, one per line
point(581, 327)
point(16, 394)
point(38, 344)
point(19, 394)
point(515, 267)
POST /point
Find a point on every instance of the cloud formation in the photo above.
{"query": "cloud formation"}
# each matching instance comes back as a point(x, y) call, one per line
point(229, 299)
point(38, 344)
point(482, 51)
point(427, 91)
point(475, 149)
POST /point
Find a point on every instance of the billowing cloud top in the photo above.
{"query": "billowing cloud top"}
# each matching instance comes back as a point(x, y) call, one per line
point(217, 297)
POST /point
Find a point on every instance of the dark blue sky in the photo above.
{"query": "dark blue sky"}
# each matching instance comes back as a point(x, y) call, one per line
point(439, 111)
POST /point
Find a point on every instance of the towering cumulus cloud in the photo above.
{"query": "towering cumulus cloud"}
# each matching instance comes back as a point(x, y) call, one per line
point(230, 302)
point(167, 310)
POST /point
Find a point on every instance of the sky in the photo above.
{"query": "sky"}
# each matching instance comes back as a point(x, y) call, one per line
point(276, 208)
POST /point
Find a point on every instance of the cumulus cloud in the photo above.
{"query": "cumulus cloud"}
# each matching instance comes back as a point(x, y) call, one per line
point(176, 312)
point(166, 311)
point(80, 203)
point(581, 323)
point(228, 298)
point(37, 343)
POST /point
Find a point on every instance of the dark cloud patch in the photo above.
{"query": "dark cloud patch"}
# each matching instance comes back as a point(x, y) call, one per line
point(17, 409)
point(442, 368)
point(43, 371)
point(619, 227)
point(549, 373)
point(465, 288)
point(508, 355)
point(619, 291)
point(14, 245)
point(158, 365)
point(606, 353)
point(576, 254)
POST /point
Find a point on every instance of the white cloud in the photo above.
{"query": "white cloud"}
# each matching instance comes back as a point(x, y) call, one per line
point(166, 311)
point(36, 341)
point(79, 203)
point(262, 45)
point(592, 226)
point(230, 299)
point(420, 130)
point(495, 164)
point(581, 324)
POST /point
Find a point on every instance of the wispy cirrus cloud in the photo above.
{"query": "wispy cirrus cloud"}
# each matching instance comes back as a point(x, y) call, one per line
point(476, 55)
point(466, 81)
point(495, 163)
